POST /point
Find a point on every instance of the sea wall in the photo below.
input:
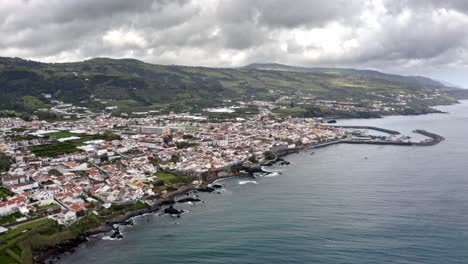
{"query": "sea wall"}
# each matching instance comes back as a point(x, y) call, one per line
point(433, 138)
point(388, 131)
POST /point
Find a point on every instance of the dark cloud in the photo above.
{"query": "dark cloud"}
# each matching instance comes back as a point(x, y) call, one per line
point(403, 36)
point(398, 5)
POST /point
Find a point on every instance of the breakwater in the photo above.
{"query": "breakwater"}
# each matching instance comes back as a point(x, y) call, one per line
point(378, 142)
point(432, 138)
point(388, 131)
point(367, 142)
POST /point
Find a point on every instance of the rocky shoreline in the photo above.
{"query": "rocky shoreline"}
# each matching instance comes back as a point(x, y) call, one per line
point(53, 254)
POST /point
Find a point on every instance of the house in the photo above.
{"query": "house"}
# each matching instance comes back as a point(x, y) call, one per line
point(78, 209)
point(12, 206)
point(9, 180)
point(70, 166)
point(8, 208)
point(69, 217)
point(44, 197)
point(21, 187)
point(3, 230)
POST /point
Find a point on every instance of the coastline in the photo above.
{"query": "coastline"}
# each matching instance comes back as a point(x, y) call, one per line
point(52, 254)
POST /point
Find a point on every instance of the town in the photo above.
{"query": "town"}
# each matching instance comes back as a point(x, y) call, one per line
point(75, 175)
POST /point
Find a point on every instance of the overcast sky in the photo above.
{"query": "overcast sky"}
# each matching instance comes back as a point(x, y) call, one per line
point(411, 37)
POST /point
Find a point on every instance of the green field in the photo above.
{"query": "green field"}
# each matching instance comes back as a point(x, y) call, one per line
point(170, 178)
point(168, 181)
point(62, 134)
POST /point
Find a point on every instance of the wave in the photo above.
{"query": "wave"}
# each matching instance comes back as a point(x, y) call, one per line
point(270, 169)
point(221, 179)
point(110, 238)
point(274, 174)
point(182, 212)
point(245, 182)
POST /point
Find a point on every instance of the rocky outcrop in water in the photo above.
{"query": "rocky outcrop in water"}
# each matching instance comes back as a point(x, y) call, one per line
point(171, 210)
point(128, 222)
point(117, 234)
point(189, 199)
point(205, 189)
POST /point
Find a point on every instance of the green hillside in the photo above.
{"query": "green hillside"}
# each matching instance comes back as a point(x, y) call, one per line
point(368, 74)
point(133, 85)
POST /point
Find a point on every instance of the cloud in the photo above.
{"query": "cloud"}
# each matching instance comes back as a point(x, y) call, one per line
point(401, 36)
point(124, 38)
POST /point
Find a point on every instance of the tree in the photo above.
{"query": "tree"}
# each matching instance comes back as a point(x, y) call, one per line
point(167, 139)
point(155, 160)
point(269, 155)
point(159, 183)
point(253, 159)
point(187, 136)
point(5, 162)
point(175, 157)
point(55, 172)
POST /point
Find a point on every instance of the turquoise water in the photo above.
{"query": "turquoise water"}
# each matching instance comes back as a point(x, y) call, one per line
point(400, 205)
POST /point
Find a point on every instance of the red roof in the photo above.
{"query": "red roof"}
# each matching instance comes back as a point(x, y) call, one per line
point(71, 164)
point(76, 208)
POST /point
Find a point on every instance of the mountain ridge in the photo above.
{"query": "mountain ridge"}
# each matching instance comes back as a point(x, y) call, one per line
point(358, 72)
point(265, 66)
point(128, 85)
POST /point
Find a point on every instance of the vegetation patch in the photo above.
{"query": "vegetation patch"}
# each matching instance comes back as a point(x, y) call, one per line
point(62, 134)
point(5, 162)
point(170, 179)
point(4, 193)
point(6, 259)
point(56, 149)
point(59, 148)
point(10, 218)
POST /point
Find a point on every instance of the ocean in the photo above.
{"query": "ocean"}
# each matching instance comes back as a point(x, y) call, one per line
point(339, 204)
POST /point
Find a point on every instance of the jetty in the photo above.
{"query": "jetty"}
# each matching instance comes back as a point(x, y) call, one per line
point(433, 138)
point(367, 142)
point(388, 131)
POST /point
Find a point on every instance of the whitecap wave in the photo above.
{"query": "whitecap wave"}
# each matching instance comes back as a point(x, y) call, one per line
point(110, 238)
point(274, 174)
point(245, 182)
point(270, 169)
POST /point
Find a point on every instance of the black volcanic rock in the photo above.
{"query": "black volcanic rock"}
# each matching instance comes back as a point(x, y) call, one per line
point(206, 189)
point(171, 210)
point(189, 199)
point(117, 234)
point(128, 222)
point(167, 202)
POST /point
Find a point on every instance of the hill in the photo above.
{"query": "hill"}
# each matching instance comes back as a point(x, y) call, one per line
point(127, 85)
point(351, 72)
